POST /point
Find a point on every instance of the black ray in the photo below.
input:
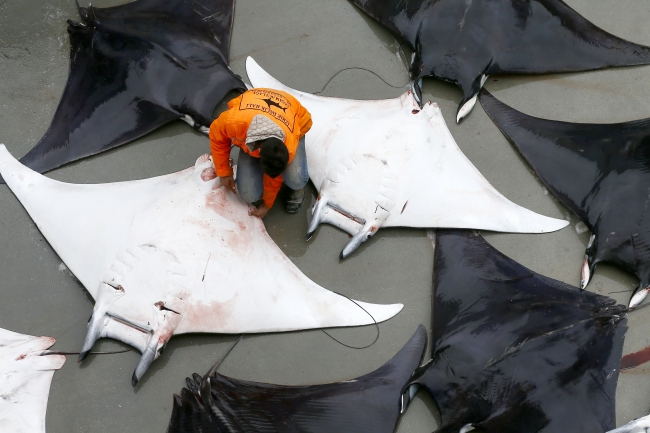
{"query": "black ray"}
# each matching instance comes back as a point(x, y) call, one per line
point(134, 68)
point(369, 404)
point(461, 41)
point(599, 171)
point(514, 351)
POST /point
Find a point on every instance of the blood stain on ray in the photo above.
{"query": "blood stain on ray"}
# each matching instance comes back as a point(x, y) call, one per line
point(208, 174)
point(209, 316)
point(216, 200)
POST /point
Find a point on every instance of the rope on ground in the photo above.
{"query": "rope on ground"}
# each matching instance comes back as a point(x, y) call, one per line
point(373, 319)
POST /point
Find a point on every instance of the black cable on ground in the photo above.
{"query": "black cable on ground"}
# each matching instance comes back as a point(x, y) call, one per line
point(373, 319)
point(372, 72)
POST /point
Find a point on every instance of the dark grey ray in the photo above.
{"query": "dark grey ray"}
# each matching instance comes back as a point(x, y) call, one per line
point(464, 41)
point(134, 68)
point(599, 171)
point(514, 351)
point(368, 404)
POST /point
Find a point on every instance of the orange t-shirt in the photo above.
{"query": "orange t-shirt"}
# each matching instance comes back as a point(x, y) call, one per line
point(231, 126)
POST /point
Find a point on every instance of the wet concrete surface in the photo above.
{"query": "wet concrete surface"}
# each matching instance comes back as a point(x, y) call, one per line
point(303, 43)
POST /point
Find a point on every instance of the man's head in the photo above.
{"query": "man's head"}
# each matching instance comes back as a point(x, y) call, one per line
point(274, 156)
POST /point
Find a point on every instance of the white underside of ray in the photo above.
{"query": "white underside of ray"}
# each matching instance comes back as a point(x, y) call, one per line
point(388, 163)
point(641, 425)
point(25, 379)
point(176, 254)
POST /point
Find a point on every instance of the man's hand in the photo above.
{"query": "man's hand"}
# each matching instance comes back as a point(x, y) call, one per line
point(228, 182)
point(260, 212)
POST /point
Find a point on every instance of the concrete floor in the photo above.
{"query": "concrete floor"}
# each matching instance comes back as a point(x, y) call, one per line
point(302, 43)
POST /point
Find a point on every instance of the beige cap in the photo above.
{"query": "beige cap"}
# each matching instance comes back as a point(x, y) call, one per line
point(261, 128)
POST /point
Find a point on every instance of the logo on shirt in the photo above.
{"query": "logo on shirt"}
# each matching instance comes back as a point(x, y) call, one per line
point(271, 103)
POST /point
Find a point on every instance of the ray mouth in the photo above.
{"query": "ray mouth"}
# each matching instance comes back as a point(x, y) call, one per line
point(326, 212)
point(118, 328)
point(148, 341)
point(135, 326)
point(348, 215)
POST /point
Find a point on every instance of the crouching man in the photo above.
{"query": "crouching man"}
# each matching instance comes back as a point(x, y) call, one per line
point(269, 127)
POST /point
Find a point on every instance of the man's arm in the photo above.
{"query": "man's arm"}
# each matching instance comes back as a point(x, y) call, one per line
point(220, 142)
point(271, 189)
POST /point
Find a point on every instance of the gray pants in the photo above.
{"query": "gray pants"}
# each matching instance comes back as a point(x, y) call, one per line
point(250, 182)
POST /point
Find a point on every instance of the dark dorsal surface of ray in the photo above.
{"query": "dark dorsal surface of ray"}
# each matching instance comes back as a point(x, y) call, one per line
point(514, 351)
point(369, 404)
point(134, 68)
point(460, 41)
point(601, 172)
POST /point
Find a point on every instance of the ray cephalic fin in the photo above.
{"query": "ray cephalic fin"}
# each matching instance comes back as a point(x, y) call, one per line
point(463, 42)
point(492, 318)
point(368, 404)
point(599, 171)
point(134, 68)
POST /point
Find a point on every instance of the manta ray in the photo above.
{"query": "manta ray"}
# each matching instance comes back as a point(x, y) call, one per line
point(134, 68)
point(369, 404)
point(601, 172)
point(463, 42)
point(176, 254)
point(514, 351)
point(25, 378)
point(389, 163)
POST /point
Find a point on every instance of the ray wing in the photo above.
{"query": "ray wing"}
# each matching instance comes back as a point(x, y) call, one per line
point(134, 68)
point(398, 16)
point(163, 22)
point(465, 41)
point(369, 403)
point(172, 255)
point(26, 378)
point(515, 351)
point(599, 171)
point(391, 163)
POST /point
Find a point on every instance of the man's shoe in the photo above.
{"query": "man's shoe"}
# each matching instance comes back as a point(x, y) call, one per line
point(295, 200)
